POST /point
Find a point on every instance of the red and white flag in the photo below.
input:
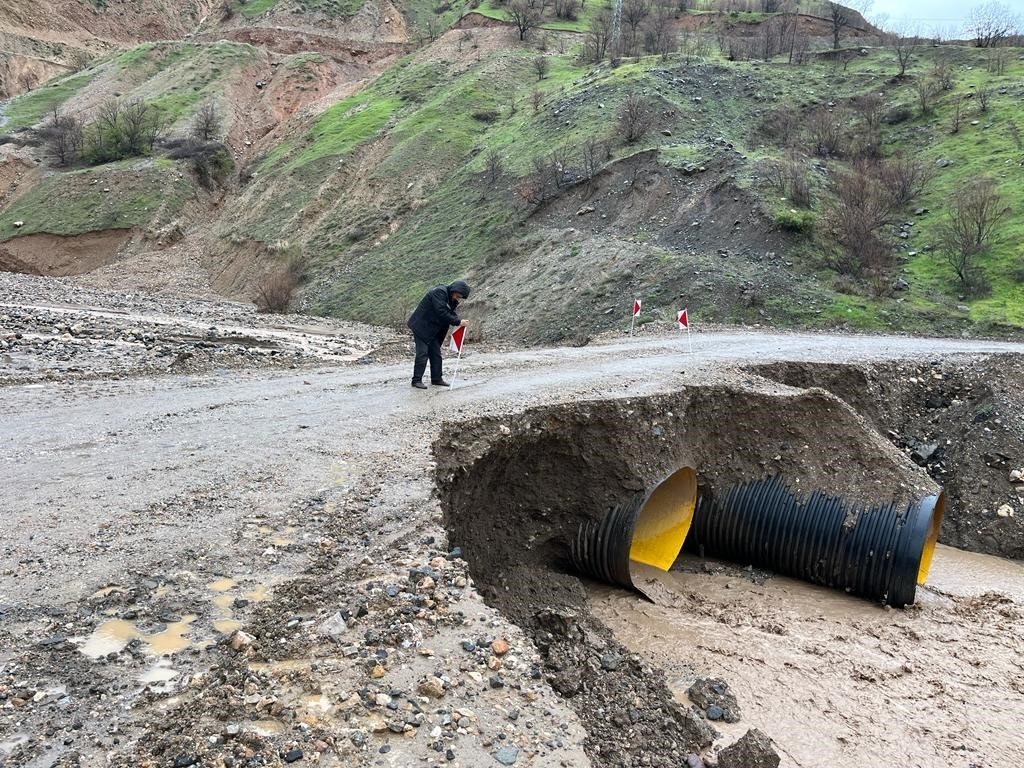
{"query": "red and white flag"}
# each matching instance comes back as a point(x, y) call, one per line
point(683, 319)
point(458, 336)
point(636, 307)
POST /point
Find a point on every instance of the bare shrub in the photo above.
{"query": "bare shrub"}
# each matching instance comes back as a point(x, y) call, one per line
point(968, 229)
point(599, 36)
point(206, 122)
point(494, 168)
point(525, 16)
point(825, 133)
point(926, 90)
point(856, 218)
point(904, 178)
point(536, 100)
point(541, 66)
point(984, 97)
point(956, 116)
point(64, 134)
point(991, 23)
point(275, 291)
point(635, 116)
point(210, 161)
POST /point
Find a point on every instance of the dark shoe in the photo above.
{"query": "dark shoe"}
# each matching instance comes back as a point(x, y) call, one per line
point(419, 385)
point(440, 383)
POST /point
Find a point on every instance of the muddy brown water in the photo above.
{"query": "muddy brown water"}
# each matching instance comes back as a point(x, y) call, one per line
point(839, 681)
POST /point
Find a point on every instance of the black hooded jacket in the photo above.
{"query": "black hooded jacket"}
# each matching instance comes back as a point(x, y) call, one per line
point(436, 311)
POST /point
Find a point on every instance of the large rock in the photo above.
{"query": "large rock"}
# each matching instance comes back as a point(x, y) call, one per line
point(753, 750)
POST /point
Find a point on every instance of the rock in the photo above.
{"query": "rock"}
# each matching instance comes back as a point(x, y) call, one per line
point(610, 661)
point(753, 750)
point(708, 692)
point(585, 210)
point(507, 755)
point(292, 755)
point(1017, 476)
point(497, 682)
point(232, 729)
point(942, 162)
point(500, 647)
point(185, 760)
point(899, 284)
point(694, 761)
point(469, 646)
point(1005, 511)
point(455, 554)
point(432, 687)
point(377, 672)
point(334, 626)
point(714, 712)
point(19, 224)
point(924, 453)
point(494, 663)
point(666, 132)
point(427, 585)
point(241, 640)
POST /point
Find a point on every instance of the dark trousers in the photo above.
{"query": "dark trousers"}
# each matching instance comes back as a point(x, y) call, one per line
point(427, 349)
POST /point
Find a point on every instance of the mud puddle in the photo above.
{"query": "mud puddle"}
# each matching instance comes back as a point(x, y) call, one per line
point(837, 680)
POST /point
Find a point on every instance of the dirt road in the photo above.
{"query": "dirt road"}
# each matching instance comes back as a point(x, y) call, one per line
point(163, 513)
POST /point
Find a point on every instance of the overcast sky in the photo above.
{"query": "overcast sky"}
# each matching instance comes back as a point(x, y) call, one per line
point(926, 13)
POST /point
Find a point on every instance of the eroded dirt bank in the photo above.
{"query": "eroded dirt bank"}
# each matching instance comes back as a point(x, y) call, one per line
point(150, 518)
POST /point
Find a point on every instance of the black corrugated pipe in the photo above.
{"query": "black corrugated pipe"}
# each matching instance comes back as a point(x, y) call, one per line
point(880, 552)
point(647, 529)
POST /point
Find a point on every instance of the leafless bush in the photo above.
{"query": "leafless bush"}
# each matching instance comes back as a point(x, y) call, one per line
point(599, 36)
point(525, 16)
point(275, 291)
point(825, 133)
point(635, 116)
point(856, 218)
point(567, 9)
point(904, 178)
point(926, 90)
point(991, 23)
point(968, 230)
point(956, 116)
point(781, 126)
point(594, 153)
point(942, 73)
point(64, 134)
point(536, 100)
point(996, 60)
point(984, 97)
point(210, 161)
point(634, 12)
point(904, 47)
point(494, 168)
point(790, 178)
point(541, 65)
point(206, 123)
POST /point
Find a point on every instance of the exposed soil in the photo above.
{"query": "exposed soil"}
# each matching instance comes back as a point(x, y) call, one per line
point(57, 255)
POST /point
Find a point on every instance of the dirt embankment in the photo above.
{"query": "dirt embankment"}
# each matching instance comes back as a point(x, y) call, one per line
point(58, 255)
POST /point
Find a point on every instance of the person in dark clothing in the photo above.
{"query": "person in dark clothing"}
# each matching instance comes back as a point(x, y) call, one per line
point(429, 325)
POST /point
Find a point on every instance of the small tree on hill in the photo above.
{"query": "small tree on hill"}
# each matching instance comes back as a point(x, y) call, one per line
point(991, 23)
point(206, 123)
point(599, 36)
point(541, 65)
point(968, 230)
point(635, 117)
point(64, 134)
point(525, 16)
point(904, 47)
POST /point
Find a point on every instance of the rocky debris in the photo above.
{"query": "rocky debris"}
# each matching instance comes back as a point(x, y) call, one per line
point(51, 329)
point(753, 750)
point(713, 697)
point(507, 755)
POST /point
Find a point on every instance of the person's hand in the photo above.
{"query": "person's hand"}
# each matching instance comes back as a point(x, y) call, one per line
point(464, 323)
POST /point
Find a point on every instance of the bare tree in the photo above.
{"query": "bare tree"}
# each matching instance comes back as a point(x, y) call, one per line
point(593, 153)
point(904, 47)
point(138, 119)
point(857, 217)
point(525, 16)
point(64, 136)
point(635, 117)
point(567, 9)
point(969, 228)
point(870, 108)
point(996, 60)
point(956, 116)
point(494, 168)
point(537, 100)
point(599, 36)
point(658, 35)
point(942, 72)
point(634, 12)
point(989, 24)
point(541, 65)
point(206, 123)
point(839, 16)
point(926, 90)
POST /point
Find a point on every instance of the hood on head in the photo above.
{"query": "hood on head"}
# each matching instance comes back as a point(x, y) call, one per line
point(460, 286)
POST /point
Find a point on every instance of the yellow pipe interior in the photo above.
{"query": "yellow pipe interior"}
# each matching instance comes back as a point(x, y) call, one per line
point(664, 520)
point(930, 541)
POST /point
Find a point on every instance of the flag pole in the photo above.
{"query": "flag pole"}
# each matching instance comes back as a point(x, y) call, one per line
point(632, 321)
point(689, 341)
point(455, 373)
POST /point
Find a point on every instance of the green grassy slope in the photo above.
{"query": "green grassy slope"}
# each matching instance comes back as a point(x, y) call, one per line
point(429, 133)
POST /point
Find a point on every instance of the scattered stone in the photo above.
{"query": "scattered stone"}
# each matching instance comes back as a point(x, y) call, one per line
point(241, 640)
point(610, 661)
point(500, 647)
point(1005, 511)
point(708, 692)
point(924, 453)
point(585, 210)
point(753, 750)
point(293, 755)
point(185, 760)
point(507, 755)
point(377, 672)
point(714, 712)
point(432, 687)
